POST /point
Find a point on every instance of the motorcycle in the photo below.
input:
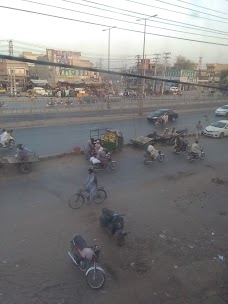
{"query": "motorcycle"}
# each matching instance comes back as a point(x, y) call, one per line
point(194, 156)
point(98, 166)
point(148, 160)
point(114, 223)
point(10, 144)
point(95, 275)
point(182, 148)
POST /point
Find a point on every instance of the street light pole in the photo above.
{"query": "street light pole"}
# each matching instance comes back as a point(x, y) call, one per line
point(143, 65)
point(109, 29)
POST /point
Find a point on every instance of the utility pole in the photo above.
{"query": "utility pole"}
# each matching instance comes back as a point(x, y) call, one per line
point(199, 65)
point(156, 60)
point(11, 71)
point(109, 29)
point(166, 58)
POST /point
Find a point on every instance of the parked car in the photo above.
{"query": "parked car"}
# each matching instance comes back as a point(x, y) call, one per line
point(217, 129)
point(37, 91)
point(174, 89)
point(222, 111)
point(155, 115)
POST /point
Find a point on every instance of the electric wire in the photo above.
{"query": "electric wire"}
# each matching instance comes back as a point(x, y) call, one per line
point(103, 25)
point(86, 13)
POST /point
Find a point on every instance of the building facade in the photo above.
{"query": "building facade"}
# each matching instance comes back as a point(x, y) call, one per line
point(55, 75)
point(10, 70)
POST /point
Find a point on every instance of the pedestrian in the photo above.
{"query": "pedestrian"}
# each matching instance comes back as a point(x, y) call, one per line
point(199, 129)
point(91, 185)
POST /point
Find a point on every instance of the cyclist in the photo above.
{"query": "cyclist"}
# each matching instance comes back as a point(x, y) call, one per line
point(91, 185)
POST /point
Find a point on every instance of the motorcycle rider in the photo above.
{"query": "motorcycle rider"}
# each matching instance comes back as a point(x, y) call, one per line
point(81, 249)
point(89, 148)
point(196, 149)
point(4, 138)
point(165, 133)
point(97, 146)
point(102, 156)
point(178, 144)
point(152, 151)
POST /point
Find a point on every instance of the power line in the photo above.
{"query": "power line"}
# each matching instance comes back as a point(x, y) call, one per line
point(176, 12)
point(120, 28)
point(86, 13)
point(67, 9)
point(209, 9)
point(104, 5)
point(193, 10)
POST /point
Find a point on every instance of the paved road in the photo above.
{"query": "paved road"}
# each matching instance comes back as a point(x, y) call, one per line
point(175, 215)
point(59, 139)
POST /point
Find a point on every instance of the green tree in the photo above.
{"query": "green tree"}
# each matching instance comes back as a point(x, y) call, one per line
point(224, 77)
point(183, 63)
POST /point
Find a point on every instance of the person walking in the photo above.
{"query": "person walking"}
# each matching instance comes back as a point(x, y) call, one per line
point(199, 129)
point(91, 185)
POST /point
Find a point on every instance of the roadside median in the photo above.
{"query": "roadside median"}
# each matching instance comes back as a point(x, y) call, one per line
point(91, 119)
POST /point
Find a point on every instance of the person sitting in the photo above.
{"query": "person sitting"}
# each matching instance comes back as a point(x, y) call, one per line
point(81, 249)
point(22, 154)
point(165, 118)
point(89, 148)
point(102, 156)
point(165, 133)
point(184, 142)
point(177, 145)
point(97, 146)
point(4, 138)
point(173, 132)
point(152, 151)
point(196, 149)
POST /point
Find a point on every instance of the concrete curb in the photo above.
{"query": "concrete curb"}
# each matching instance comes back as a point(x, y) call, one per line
point(61, 155)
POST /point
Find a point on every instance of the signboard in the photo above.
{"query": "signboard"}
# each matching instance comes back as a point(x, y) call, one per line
point(65, 72)
point(64, 57)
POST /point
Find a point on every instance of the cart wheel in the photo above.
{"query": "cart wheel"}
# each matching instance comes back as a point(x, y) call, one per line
point(25, 168)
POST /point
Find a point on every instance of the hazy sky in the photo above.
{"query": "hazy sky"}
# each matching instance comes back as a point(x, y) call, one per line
point(126, 40)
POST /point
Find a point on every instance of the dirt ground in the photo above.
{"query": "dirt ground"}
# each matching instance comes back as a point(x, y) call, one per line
point(177, 223)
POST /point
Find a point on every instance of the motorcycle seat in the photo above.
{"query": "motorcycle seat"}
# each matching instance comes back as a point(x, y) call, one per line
point(79, 242)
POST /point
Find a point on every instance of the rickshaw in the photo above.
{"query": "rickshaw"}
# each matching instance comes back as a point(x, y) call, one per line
point(111, 139)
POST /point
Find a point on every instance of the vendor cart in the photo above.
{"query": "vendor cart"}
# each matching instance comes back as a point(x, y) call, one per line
point(143, 141)
point(111, 139)
point(23, 167)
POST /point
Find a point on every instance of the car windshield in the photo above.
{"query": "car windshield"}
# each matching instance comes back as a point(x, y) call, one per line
point(157, 113)
point(218, 124)
point(224, 107)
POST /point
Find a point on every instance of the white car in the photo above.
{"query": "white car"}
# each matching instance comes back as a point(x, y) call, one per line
point(174, 89)
point(223, 111)
point(217, 129)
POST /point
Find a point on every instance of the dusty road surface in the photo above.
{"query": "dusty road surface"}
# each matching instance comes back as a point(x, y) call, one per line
point(176, 216)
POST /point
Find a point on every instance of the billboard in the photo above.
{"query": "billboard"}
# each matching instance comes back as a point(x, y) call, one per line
point(63, 57)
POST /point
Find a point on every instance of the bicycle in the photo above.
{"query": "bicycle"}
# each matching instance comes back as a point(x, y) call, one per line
point(78, 199)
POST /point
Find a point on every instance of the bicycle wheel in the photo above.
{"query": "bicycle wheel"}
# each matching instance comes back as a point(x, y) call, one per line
point(100, 196)
point(76, 201)
point(95, 278)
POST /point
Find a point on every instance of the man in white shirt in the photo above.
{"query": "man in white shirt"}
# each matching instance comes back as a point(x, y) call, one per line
point(153, 152)
point(165, 118)
point(196, 149)
point(4, 138)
